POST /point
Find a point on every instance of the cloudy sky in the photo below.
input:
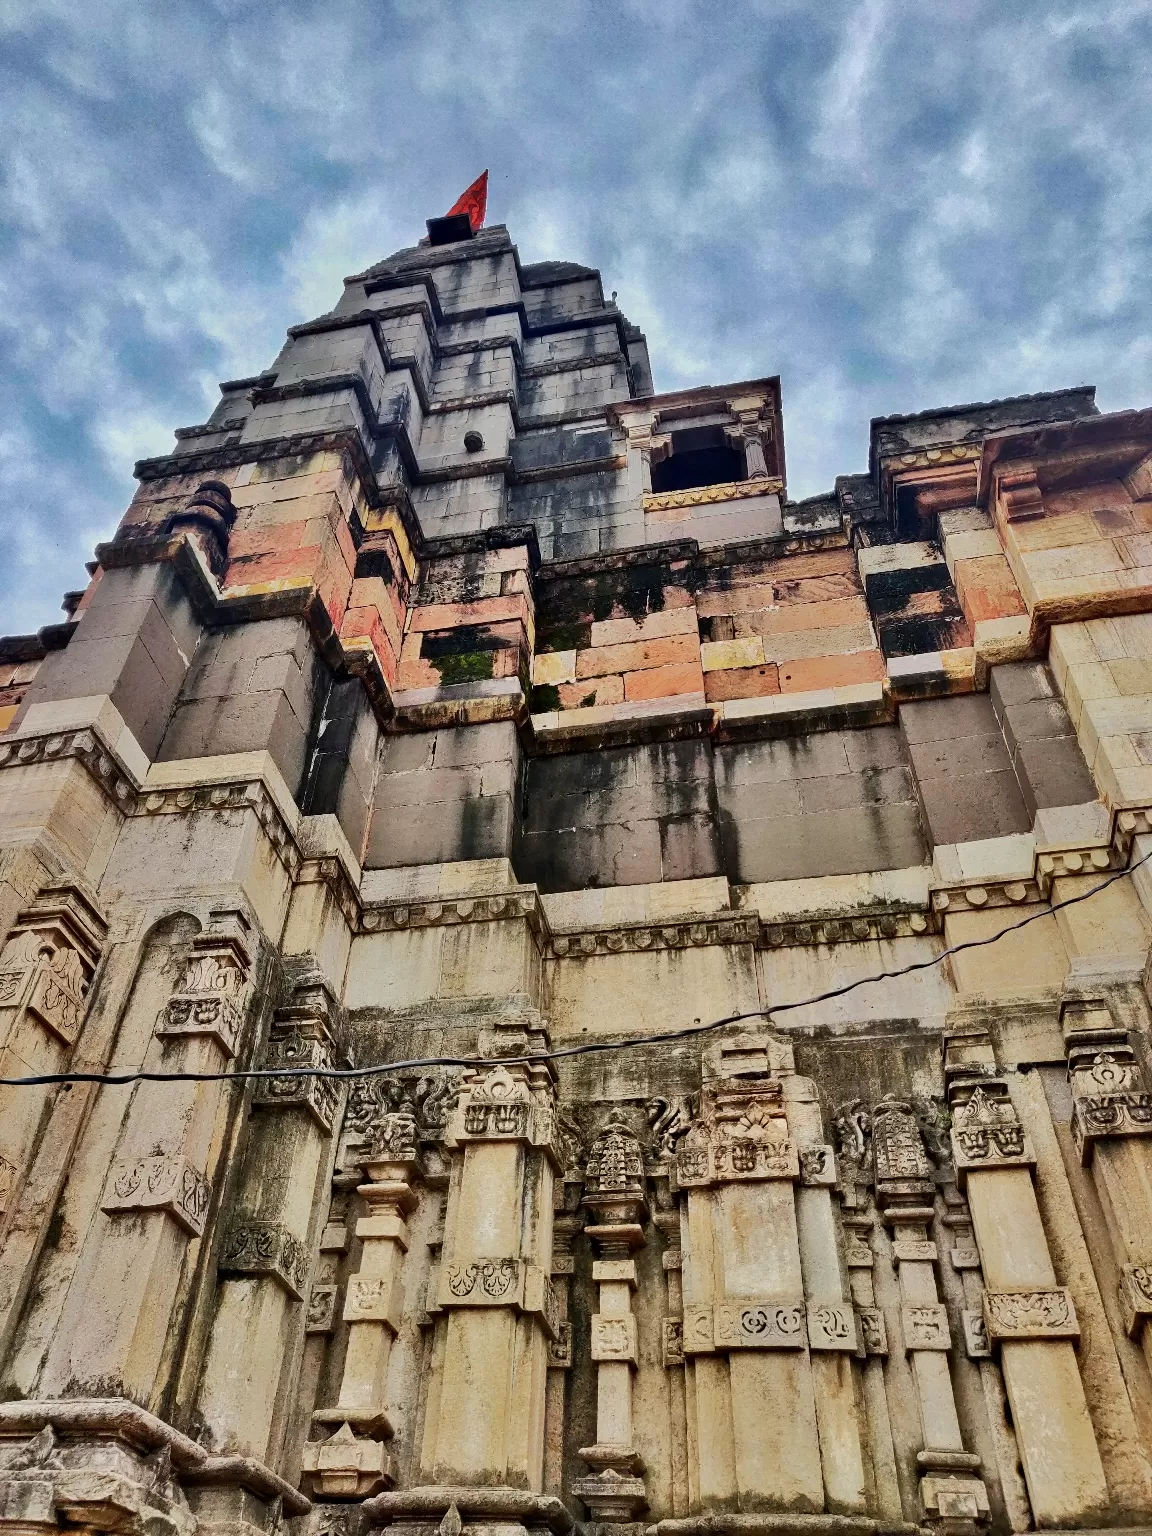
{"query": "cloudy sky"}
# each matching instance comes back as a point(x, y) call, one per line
point(894, 204)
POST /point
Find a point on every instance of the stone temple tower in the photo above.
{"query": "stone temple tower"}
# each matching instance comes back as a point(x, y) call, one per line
point(452, 703)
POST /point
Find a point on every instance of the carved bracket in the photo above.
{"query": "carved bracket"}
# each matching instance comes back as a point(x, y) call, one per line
point(169, 1184)
point(210, 999)
point(47, 963)
point(266, 1248)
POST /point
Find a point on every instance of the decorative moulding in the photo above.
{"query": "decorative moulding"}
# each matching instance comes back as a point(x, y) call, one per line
point(736, 490)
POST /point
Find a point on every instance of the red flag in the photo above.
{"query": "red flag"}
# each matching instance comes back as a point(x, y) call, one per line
point(474, 202)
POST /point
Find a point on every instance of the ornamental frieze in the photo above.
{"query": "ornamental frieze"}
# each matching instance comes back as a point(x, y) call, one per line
point(763, 1325)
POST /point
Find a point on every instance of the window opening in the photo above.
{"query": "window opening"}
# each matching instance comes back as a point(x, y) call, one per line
point(700, 456)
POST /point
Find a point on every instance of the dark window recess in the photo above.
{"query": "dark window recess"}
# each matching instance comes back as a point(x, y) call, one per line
point(700, 456)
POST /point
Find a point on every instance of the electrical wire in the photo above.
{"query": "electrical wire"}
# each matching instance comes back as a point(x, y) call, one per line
point(561, 1053)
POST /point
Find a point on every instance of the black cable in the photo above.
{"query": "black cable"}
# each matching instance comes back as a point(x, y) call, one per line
point(585, 1048)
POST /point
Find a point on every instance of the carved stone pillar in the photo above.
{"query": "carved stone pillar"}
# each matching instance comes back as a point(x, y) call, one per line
point(753, 1436)
point(965, 1260)
point(157, 1193)
point(265, 1257)
point(564, 1228)
point(1112, 1127)
point(355, 1462)
point(834, 1345)
point(749, 438)
point(1026, 1314)
point(860, 1261)
point(650, 448)
point(950, 1486)
point(46, 968)
point(614, 1193)
point(484, 1424)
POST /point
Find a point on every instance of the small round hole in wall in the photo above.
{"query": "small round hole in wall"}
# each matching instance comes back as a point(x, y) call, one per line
point(473, 442)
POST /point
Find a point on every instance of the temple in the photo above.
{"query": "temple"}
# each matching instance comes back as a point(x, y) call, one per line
point(450, 693)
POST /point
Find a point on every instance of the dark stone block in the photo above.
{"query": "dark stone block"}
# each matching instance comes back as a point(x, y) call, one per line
point(468, 746)
point(964, 810)
point(755, 802)
point(960, 757)
point(263, 722)
point(834, 843)
point(1019, 682)
point(845, 792)
point(592, 857)
point(948, 719)
point(428, 786)
point(799, 757)
point(879, 746)
point(689, 847)
point(1040, 720)
point(1053, 773)
point(440, 833)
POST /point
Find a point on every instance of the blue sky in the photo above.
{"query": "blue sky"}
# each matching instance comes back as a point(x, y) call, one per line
point(893, 205)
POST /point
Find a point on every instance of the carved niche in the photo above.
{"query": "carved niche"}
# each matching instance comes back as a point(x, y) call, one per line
point(47, 963)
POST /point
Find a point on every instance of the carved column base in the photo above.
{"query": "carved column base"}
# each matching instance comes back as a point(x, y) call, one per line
point(611, 1497)
point(106, 1464)
point(347, 1467)
point(418, 1508)
point(952, 1493)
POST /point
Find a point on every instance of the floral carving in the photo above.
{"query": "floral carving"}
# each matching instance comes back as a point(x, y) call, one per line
point(43, 973)
point(898, 1153)
point(986, 1129)
point(492, 1278)
point(1047, 1314)
point(615, 1163)
point(668, 1120)
point(299, 1047)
